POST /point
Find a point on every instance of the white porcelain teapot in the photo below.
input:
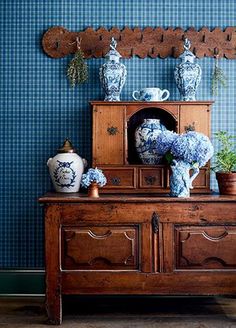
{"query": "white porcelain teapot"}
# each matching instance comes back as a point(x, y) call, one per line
point(151, 94)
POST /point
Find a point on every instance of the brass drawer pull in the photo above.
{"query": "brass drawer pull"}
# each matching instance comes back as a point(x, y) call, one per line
point(115, 181)
point(150, 180)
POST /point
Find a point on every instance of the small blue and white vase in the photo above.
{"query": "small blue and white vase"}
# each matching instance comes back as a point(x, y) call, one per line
point(66, 169)
point(187, 74)
point(145, 141)
point(112, 74)
point(180, 180)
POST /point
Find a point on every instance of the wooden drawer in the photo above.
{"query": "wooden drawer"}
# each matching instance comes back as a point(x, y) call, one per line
point(100, 248)
point(151, 178)
point(120, 177)
point(201, 247)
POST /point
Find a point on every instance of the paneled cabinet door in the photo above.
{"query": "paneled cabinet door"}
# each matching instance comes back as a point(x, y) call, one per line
point(108, 135)
point(202, 247)
point(107, 247)
point(195, 117)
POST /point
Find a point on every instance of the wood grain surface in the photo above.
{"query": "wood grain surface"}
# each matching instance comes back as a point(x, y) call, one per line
point(151, 42)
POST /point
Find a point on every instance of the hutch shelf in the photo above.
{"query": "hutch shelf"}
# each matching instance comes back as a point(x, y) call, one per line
point(114, 125)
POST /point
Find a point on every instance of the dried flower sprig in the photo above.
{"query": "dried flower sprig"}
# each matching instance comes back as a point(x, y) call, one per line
point(77, 71)
point(218, 77)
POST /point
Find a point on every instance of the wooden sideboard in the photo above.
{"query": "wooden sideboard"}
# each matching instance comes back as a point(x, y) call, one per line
point(113, 130)
point(135, 244)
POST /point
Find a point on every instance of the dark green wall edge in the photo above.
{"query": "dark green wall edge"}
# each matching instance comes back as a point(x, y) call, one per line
point(22, 282)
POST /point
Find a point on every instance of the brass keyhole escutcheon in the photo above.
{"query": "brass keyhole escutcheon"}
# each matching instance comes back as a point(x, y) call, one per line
point(113, 130)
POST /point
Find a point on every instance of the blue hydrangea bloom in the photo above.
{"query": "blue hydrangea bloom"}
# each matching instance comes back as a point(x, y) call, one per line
point(93, 175)
point(192, 147)
point(164, 141)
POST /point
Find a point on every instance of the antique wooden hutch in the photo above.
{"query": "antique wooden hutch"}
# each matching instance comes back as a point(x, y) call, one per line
point(135, 239)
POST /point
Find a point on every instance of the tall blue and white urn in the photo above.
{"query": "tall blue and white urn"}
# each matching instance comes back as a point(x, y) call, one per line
point(145, 140)
point(187, 74)
point(112, 74)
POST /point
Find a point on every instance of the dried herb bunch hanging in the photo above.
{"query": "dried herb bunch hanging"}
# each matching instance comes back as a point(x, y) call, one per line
point(218, 77)
point(77, 71)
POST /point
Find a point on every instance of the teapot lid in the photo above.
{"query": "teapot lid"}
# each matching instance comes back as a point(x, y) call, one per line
point(67, 147)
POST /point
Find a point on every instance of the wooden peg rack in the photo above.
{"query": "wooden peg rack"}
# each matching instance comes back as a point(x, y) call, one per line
point(151, 42)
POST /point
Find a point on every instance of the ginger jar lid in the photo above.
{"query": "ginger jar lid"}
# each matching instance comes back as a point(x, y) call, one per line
point(187, 55)
point(67, 147)
point(113, 54)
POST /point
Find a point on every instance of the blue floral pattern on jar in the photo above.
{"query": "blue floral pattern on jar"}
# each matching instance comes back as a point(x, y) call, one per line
point(187, 74)
point(145, 141)
point(113, 74)
point(64, 175)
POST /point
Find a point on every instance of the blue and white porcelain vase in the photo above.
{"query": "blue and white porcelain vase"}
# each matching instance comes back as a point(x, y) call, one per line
point(180, 180)
point(187, 74)
point(66, 169)
point(145, 140)
point(113, 74)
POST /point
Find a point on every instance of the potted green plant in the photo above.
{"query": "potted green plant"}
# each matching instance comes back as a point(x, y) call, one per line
point(225, 165)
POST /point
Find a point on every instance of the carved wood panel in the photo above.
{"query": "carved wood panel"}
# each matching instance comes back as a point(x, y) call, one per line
point(99, 248)
point(148, 42)
point(206, 247)
point(108, 135)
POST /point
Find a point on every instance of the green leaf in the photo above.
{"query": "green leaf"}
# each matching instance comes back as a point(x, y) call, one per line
point(226, 156)
point(169, 157)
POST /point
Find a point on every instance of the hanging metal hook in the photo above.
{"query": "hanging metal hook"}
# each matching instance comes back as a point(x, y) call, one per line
point(216, 51)
point(78, 41)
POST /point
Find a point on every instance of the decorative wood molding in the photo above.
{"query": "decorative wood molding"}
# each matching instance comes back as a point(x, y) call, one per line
point(151, 42)
point(206, 247)
point(107, 247)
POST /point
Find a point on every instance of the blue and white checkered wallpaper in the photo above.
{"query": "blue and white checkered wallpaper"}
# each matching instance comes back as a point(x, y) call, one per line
point(38, 109)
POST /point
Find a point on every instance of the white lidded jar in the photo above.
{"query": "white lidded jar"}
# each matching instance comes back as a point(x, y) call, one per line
point(66, 168)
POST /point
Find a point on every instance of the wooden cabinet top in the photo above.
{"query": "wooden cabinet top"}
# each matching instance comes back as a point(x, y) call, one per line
point(155, 103)
point(53, 197)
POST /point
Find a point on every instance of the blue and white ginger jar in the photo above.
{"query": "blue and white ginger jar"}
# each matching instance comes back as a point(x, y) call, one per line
point(66, 169)
point(113, 74)
point(145, 141)
point(187, 74)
